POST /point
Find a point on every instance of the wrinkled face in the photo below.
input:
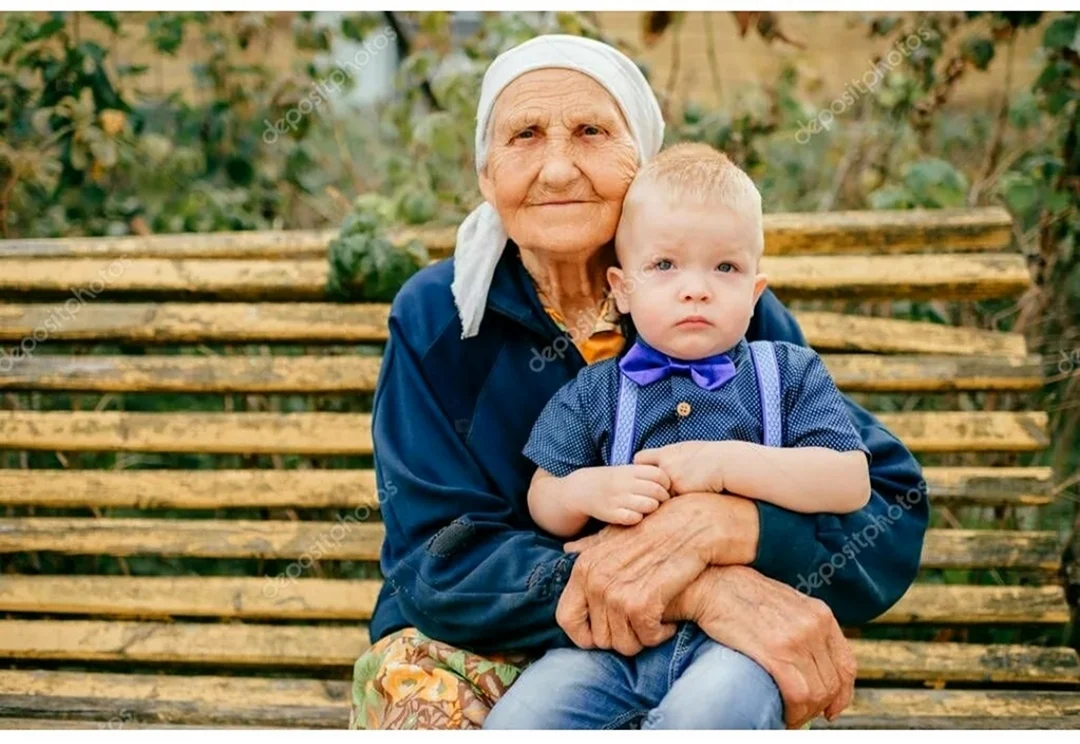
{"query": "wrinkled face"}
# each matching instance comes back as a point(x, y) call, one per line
point(560, 160)
point(689, 276)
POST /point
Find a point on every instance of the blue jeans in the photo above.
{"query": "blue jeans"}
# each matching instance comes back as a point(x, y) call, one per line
point(687, 682)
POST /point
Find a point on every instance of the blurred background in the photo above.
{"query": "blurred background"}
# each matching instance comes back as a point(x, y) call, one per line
point(169, 122)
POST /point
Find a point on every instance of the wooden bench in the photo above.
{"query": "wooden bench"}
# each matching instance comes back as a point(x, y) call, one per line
point(262, 464)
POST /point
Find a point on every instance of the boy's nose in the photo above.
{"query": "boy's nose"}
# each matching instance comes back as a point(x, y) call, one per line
point(696, 291)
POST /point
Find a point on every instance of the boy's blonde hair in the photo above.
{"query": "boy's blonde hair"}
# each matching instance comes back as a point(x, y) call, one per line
point(696, 173)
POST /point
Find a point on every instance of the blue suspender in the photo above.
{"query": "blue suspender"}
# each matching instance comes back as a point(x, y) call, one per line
point(768, 382)
point(767, 372)
point(622, 440)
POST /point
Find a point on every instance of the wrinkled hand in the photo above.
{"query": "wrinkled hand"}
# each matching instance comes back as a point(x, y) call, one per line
point(625, 577)
point(794, 637)
point(691, 466)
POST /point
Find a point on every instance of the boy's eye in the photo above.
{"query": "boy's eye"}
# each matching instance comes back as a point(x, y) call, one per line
point(663, 265)
point(726, 267)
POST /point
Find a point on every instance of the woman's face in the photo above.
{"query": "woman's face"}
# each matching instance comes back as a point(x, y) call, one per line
point(560, 159)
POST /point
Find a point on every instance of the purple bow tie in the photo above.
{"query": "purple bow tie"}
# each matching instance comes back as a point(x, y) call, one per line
point(644, 364)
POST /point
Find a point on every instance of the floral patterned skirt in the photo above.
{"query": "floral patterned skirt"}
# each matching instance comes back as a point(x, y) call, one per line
point(409, 681)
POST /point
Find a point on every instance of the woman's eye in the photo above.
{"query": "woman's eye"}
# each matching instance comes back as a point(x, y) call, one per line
point(591, 130)
point(726, 267)
point(664, 265)
point(524, 134)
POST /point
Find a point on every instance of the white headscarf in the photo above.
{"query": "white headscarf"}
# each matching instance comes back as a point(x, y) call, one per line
point(481, 237)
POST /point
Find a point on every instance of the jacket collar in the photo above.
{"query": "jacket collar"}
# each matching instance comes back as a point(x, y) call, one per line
point(513, 294)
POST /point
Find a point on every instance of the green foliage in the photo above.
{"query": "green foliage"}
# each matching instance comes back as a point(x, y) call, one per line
point(364, 264)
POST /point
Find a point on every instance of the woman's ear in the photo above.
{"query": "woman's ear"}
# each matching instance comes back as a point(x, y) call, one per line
point(620, 288)
point(487, 187)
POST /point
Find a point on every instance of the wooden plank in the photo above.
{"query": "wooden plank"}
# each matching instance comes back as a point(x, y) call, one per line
point(989, 486)
point(130, 700)
point(194, 374)
point(183, 643)
point(349, 433)
point(190, 489)
point(953, 604)
point(346, 539)
point(212, 538)
point(970, 431)
point(326, 646)
point(851, 232)
point(899, 708)
point(838, 332)
point(888, 231)
point(948, 548)
point(253, 433)
point(946, 276)
point(931, 373)
point(180, 322)
point(286, 598)
point(344, 374)
point(317, 489)
point(967, 662)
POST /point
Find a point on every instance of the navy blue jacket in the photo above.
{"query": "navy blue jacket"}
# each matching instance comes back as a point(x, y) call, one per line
point(462, 560)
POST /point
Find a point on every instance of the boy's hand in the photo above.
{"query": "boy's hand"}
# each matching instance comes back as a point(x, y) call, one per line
point(618, 494)
point(692, 466)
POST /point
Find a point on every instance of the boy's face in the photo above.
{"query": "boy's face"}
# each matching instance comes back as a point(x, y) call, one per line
point(689, 277)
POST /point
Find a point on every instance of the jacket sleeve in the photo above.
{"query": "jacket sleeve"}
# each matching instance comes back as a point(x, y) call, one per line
point(861, 563)
point(465, 570)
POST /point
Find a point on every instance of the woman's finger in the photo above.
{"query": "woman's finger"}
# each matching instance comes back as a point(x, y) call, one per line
point(844, 660)
point(581, 544)
point(572, 612)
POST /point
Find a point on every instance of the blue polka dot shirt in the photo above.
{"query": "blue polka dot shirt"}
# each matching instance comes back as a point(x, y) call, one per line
point(575, 428)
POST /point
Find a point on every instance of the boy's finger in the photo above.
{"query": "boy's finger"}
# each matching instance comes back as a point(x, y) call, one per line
point(647, 456)
point(652, 490)
point(640, 503)
point(654, 474)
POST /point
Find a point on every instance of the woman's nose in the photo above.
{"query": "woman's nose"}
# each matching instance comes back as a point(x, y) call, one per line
point(558, 168)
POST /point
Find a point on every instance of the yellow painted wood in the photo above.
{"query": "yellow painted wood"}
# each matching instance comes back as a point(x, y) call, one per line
point(253, 433)
point(194, 374)
point(970, 431)
point(874, 373)
point(973, 605)
point(285, 598)
point(344, 540)
point(950, 662)
point(315, 489)
point(180, 322)
point(944, 276)
point(899, 708)
point(851, 232)
point(190, 489)
point(341, 373)
point(989, 486)
point(349, 433)
point(837, 332)
point(238, 644)
point(123, 701)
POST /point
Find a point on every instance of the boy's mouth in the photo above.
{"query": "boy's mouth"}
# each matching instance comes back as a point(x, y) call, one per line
point(694, 321)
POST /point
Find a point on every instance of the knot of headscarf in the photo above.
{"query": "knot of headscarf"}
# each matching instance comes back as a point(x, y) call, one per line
point(481, 237)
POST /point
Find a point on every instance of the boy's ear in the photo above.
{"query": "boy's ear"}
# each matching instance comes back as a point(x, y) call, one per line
point(760, 282)
point(620, 288)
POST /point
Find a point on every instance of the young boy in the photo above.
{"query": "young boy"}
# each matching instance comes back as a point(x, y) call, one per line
point(770, 422)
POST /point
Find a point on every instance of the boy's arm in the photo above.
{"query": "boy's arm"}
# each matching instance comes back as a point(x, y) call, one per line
point(830, 481)
point(549, 508)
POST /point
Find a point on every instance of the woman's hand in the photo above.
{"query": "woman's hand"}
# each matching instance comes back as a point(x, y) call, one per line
point(794, 637)
point(625, 577)
point(691, 466)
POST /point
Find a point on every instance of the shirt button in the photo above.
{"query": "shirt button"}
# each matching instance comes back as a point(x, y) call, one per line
point(683, 409)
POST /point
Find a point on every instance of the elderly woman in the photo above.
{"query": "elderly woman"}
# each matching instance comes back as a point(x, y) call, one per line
point(480, 342)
